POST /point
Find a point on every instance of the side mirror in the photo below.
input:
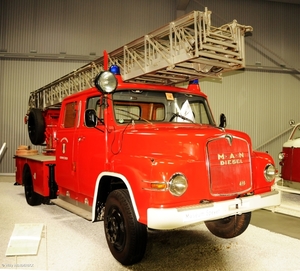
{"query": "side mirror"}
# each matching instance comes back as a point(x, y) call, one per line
point(222, 121)
point(90, 118)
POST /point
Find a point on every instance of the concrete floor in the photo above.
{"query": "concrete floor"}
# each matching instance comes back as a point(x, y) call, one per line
point(69, 242)
point(276, 222)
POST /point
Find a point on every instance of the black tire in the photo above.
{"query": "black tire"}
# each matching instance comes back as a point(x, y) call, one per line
point(229, 227)
point(36, 126)
point(125, 236)
point(32, 197)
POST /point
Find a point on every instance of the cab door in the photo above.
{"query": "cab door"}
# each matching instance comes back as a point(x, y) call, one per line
point(90, 151)
point(65, 167)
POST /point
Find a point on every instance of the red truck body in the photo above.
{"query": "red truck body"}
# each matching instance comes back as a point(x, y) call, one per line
point(225, 177)
point(122, 144)
point(290, 160)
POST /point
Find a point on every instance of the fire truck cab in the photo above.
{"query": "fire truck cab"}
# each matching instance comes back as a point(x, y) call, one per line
point(146, 156)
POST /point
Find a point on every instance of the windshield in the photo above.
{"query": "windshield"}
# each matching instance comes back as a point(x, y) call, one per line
point(159, 106)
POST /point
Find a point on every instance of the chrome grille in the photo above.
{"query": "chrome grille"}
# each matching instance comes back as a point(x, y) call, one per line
point(229, 165)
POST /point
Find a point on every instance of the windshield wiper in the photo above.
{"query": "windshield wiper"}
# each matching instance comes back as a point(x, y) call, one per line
point(135, 115)
point(180, 116)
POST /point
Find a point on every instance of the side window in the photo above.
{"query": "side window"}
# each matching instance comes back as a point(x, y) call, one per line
point(159, 113)
point(70, 115)
point(96, 104)
point(203, 115)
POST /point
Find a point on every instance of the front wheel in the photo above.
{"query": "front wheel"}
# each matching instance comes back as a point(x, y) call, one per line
point(125, 236)
point(229, 227)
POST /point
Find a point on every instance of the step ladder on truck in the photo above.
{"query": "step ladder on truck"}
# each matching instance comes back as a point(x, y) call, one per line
point(124, 144)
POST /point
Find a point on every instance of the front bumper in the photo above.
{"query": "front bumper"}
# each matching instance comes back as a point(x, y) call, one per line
point(171, 218)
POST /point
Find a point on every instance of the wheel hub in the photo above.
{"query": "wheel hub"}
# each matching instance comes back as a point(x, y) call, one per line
point(115, 229)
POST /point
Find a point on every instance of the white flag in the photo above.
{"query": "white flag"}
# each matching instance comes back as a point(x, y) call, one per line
point(186, 111)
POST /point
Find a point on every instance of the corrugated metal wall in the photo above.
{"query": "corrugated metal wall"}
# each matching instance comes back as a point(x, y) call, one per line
point(78, 26)
point(275, 38)
point(258, 102)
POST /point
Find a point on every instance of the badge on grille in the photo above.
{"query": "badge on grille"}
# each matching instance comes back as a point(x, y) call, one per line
point(229, 139)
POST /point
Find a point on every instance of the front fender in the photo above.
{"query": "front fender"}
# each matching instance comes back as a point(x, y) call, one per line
point(259, 162)
point(100, 178)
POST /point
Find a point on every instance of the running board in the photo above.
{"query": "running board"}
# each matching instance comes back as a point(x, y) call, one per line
point(74, 207)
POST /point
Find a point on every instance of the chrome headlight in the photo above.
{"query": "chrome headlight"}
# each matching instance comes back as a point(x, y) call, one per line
point(178, 184)
point(106, 82)
point(270, 172)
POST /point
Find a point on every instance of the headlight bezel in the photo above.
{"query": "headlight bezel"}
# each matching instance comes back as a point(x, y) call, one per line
point(106, 82)
point(178, 184)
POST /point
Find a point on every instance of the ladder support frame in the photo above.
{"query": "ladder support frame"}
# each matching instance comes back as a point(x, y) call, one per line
point(186, 49)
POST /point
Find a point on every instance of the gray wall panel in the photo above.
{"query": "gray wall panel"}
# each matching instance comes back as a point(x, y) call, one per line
point(79, 27)
point(276, 26)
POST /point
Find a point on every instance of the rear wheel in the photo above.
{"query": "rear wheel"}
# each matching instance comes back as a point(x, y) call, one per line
point(229, 227)
point(32, 197)
point(36, 126)
point(125, 236)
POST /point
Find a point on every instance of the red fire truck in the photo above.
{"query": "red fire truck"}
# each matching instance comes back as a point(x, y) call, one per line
point(290, 161)
point(123, 144)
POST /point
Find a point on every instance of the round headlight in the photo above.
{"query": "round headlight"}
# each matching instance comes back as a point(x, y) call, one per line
point(270, 172)
point(281, 155)
point(178, 184)
point(106, 82)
